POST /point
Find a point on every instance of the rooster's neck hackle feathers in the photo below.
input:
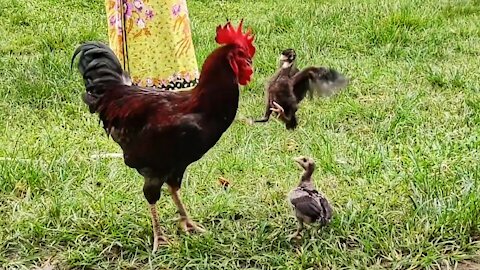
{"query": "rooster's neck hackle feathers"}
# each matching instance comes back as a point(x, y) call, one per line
point(217, 86)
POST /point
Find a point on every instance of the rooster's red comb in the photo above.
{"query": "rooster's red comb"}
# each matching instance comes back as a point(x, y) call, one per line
point(229, 35)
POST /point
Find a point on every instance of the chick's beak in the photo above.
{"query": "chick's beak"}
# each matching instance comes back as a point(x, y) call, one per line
point(298, 160)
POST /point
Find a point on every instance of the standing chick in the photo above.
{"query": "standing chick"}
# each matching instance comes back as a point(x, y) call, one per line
point(279, 92)
point(309, 204)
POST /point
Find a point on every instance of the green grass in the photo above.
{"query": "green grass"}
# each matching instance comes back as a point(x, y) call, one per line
point(397, 151)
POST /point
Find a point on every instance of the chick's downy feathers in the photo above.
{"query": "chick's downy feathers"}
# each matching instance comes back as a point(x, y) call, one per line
point(309, 204)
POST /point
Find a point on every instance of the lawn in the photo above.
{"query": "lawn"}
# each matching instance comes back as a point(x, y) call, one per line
point(397, 152)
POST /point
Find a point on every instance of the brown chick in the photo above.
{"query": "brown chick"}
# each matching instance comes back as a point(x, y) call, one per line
point(319, 81)
point(310, 205)
point(288, 87)
point(280, 98)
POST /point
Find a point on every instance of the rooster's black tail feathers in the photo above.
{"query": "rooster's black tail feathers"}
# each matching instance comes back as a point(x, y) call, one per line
point(99, 67)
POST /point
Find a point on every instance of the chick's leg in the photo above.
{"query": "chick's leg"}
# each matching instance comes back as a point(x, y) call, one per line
point(278, 109)
point(296, 235)
point(186, 224)
point(266, 116)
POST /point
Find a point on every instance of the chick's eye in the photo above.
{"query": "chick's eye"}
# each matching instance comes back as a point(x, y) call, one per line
point(304, 160)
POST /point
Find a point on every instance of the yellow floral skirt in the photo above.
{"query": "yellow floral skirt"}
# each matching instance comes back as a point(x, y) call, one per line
point(153, 41)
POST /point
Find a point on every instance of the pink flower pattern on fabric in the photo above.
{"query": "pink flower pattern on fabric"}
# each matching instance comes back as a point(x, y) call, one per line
point(136, 13)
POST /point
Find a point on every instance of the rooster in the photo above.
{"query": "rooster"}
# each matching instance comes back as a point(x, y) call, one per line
point(161, 132)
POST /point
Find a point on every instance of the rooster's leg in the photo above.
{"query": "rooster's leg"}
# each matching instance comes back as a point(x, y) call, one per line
point(151, 189)
point(186, 224)
point(159, 237)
